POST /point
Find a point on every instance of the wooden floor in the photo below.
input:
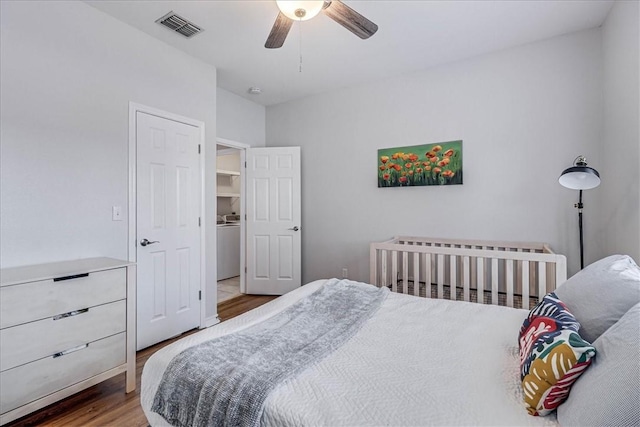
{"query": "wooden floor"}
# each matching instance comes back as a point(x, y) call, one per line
point(106, 404)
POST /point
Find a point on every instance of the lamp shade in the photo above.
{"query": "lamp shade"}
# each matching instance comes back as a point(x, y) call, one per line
point(580, 177)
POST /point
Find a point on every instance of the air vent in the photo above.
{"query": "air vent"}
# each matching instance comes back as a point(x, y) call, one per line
point(179, 24)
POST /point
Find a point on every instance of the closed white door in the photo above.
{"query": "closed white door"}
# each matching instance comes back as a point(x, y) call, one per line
point(168, 233)
point(274, 226)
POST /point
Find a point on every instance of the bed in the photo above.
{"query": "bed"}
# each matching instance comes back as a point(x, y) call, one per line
point(391, 373)
point(416, 361)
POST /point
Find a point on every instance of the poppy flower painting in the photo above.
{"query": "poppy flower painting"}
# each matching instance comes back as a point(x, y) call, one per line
point(428, 164)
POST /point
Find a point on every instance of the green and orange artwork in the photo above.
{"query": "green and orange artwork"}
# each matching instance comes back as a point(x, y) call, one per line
point(417, 165)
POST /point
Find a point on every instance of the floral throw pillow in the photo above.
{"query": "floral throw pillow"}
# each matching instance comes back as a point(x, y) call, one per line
point(552, 355)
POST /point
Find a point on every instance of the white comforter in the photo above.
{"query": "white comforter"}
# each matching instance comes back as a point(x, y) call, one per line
point(416, 362)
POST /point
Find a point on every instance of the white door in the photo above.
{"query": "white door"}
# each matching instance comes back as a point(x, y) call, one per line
point(273, 220)
point(168, 209)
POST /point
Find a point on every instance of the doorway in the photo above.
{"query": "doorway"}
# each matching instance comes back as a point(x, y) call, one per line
point(269, 202)
point(230, 219)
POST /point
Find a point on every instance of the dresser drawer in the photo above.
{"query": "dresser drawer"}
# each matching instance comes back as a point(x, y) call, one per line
point(35, 340)
point(26, 383)
point(38, 300)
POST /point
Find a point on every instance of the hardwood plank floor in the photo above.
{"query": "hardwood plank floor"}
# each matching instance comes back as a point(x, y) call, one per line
point(106, 404)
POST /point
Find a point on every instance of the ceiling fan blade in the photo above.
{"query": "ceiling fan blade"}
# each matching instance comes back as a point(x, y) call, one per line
point(278, 32)
point(350, 19)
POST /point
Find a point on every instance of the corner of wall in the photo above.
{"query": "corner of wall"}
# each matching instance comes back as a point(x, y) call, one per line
point(621, 130)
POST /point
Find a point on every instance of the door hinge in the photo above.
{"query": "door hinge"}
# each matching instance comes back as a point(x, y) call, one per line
point(199, 222)
point(199, 149)
point(199, 295)
point(245, 269)
point(245, 165)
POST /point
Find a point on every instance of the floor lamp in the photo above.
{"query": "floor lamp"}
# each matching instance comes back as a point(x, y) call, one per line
point(580, 177)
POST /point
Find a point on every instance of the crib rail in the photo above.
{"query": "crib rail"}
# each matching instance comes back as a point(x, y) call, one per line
point(514, 274)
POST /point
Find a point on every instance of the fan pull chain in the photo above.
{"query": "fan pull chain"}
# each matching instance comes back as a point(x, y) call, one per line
point(300, 44)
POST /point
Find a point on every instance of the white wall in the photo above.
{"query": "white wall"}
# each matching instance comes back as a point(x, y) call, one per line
point(620, 157)
point(68, 72)
point(524, 114)
point(240, 120)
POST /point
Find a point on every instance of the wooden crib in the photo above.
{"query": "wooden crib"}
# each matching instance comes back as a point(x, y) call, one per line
point(513, 274)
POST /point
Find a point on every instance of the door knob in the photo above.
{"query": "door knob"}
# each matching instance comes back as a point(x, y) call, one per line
point(145, 242)
point(295, 228)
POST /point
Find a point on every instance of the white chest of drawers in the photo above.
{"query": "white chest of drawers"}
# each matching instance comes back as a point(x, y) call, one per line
point(64, 327)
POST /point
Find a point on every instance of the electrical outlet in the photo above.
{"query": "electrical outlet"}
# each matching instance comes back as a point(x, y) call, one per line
point(345, 273)
point(116, 213)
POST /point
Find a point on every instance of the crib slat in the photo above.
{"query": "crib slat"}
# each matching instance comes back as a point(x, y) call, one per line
point(480, 274)
point(394, 271)
point(383, 269)
point(453, 271)
point(440, 276)
point(405, 272)
point(509, 274)
point(465, 278)
point(373, 266)
point(561, 272)
point(427, 275)
point(542, 280)
point(525, 285)
point(416, 273)
point(494, 281)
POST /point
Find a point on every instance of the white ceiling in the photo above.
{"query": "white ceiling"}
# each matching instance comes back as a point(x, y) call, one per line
point(412, 35)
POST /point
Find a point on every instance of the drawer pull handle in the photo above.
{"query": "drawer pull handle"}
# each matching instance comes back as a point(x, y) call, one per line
point(71, 313)
point(75, 276)
point(71, 350)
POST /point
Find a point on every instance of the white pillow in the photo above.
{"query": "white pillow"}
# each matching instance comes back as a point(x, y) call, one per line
point(608, 393)
point(601, 294)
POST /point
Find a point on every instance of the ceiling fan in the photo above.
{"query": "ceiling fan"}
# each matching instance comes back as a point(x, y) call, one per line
point(303, 10)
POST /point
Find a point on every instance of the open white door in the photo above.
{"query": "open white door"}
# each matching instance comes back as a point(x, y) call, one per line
point(168, 232)
point(273, 220)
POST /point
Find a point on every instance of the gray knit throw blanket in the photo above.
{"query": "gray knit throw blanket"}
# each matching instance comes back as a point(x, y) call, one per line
point(225, 381)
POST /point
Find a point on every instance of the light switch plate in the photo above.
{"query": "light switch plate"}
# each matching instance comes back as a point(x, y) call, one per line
point(116, 213)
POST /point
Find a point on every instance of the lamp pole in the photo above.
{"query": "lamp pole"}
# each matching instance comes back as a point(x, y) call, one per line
point(579, 205)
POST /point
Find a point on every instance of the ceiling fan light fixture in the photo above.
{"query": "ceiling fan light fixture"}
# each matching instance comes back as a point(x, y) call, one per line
point(291, 11)
point(300, 10)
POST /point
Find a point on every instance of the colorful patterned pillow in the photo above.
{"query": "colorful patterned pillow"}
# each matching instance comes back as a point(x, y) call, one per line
point(552, 355)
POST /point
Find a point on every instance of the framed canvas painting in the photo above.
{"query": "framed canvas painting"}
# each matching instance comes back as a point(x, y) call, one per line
point(420, 165)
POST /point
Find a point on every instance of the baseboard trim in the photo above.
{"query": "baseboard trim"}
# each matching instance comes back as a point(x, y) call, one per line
point(210, 321)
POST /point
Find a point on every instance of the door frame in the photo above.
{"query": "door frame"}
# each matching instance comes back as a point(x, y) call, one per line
point(134, 109)
point(242, 148)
